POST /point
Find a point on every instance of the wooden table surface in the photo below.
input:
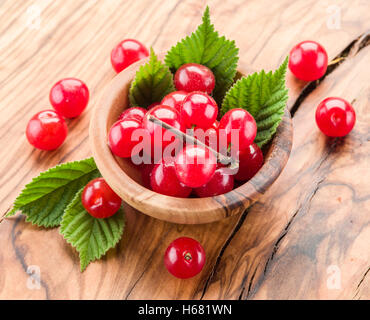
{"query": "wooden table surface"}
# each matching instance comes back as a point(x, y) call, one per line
point(306, 238)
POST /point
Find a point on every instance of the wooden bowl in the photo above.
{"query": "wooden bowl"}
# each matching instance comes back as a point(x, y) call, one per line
point(125, 179)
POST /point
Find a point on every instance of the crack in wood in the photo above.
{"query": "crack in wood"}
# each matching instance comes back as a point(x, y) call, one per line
point(360, 283)
point(147, 266)
point(350, 51)
point(227, 242)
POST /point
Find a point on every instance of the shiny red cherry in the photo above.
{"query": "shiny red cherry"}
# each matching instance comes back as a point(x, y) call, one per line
point(194, 77)
point(99, 199)
point(221, 182)
point(308, 60)
point(133, 113)
point(238, 124)
point(126, 53)
point(184, 258)
point(69, 97)
point(174, 99)
point(335, 117)
point(250, 161)
point(164, 180)
point(120, 139)
point(199, 109)
point(46, 130)
point(195, 165)
point(160, 138)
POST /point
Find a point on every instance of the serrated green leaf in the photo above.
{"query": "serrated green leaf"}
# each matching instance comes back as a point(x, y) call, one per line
point(206, 47)
point(91, 237)
point(152, 82)
point(264, 96)
point(44, 199)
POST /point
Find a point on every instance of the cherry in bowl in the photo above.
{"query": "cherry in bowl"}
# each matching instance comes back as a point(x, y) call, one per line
point(195, 165)
point(199, 109)
point(237, 126)
point(194, 77)
point(121, 138)
point(174, 99)
point(163, 179)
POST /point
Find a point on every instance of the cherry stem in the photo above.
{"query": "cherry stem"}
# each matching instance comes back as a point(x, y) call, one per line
point(188, 256)
point(233, 164)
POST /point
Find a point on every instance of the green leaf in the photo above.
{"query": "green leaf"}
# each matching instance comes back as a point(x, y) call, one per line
point(206, 47)
point(264, 96)
point(152, 82)
point(91, 237)
point(44, 199)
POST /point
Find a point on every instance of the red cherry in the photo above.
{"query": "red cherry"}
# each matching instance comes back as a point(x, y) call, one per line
point(199, 109)
point(146, 173)
point(308, 60)
point(174, 99)
point(194, 77)
point(335, 117)
point(46, 130)
point(195, 165)
point(154, 104)
point(133, 113)
point(160, 137)
point(241, 120)
point(209, 137)
point(164, 180)
point(184, 258)
point(126, 53)
point(221, 183)
point(99, 199)
point(120, 137)
point(250, 161)
point(69, 97)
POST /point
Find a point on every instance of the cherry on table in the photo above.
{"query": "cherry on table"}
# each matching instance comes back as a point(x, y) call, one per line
point(221, 182)
point(184, 258)
point(69, 97)
point(242, 121)
point(250, 161)
point(308, 60)
point(174, 99)
point(194, 77)
point(126, 53)
point(195, 165)
point(120, 138)
point(46, 130)
point(199, 109)
point(163, 179)
point(335, 117)
point(99, 200)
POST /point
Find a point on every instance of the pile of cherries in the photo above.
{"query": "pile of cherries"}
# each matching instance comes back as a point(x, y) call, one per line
point(194, 167)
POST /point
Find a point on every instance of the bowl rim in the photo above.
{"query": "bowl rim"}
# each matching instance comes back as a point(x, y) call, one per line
point(172, 209)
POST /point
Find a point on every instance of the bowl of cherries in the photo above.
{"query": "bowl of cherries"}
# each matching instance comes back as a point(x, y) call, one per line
point(175, 160)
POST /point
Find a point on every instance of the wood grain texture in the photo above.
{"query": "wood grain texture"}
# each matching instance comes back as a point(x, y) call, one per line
point(283, 230)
